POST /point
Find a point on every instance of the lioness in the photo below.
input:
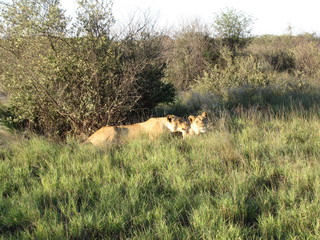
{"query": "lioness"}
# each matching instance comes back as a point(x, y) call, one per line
point(198, 124)
point(152, 127)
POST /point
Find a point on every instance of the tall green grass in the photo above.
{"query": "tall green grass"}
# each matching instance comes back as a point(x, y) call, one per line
point(251, 177)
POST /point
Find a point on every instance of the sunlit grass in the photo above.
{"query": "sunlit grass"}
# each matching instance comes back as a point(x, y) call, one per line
point(249, 178)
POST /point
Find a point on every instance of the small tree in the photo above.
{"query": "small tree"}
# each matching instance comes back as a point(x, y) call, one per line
point(233, 27)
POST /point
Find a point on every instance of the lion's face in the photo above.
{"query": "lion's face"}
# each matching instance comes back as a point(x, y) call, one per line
point(198, 124)
point(177, 124)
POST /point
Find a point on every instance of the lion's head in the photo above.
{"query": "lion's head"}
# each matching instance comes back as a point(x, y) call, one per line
point(177, 124)
point(198, 124)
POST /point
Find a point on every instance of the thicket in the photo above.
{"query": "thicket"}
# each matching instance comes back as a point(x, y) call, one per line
point(68, 78)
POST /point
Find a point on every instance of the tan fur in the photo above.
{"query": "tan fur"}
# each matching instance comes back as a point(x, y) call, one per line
point(198, 124)
point(152, 128)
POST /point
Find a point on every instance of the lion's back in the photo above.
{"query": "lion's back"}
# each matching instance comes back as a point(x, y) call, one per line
point(154, 126)
point(103, 135)
point(113, 134)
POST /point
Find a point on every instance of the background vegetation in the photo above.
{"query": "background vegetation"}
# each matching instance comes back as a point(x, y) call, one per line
point(255, 175)
point(68, 78)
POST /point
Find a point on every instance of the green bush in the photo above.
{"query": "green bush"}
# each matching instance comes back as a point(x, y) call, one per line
point(240, 72)
point(65, 79)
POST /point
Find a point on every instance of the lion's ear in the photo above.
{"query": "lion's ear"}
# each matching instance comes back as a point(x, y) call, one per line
point(170, 118)
point(204, 114)
point(191, 118)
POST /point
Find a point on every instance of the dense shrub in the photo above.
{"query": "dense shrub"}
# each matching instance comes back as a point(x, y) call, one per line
point(69, 80)
point(297, 54)
point(282, 61)
point(307, 57)
point(187, 55)
point(240, 72)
